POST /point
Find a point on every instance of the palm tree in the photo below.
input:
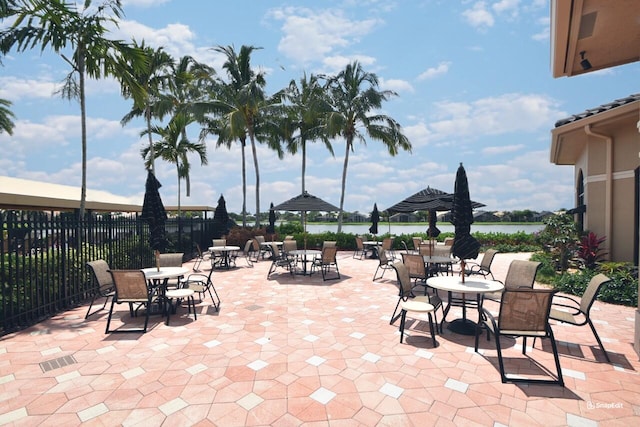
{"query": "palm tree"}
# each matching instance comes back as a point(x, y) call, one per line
point(154, 79)
point(354, 94)
point(247, 92)
point(186, 87)
point(174, 148)
point(305, 117)
point(59, 24)
point(6, 116)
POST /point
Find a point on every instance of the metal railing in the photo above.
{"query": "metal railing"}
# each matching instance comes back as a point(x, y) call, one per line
point(43, 257)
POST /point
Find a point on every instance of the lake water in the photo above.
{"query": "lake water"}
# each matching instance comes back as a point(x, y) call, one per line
point(398, 229)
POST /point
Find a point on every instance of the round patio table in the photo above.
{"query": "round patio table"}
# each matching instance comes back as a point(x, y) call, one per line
point(225, 251)
point(306, 256)
point(476, 286)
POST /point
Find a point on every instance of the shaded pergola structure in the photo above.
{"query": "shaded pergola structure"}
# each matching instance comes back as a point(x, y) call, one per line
point(24, 194)
point(605, 34)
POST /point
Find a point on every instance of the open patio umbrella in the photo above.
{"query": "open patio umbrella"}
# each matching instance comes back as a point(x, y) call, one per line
point(465, 246)
point(271, 228)
point(154, 214)
point(306, 202)
point(375, 219)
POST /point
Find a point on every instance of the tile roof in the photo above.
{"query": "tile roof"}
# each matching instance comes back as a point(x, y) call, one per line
point(600, 109)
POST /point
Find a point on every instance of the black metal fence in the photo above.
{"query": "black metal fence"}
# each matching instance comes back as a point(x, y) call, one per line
point(43, 257)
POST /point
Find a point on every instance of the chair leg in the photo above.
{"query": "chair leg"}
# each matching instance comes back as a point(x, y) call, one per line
point(555, 356)
point(595, 334)
point(433, 335)
point(109, 318)
point(403, 317)
point(393, 316)
point(503, 376)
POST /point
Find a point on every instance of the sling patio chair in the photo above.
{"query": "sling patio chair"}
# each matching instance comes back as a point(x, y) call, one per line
point(172, 260)
point(360, 251)
point(484, 267)
point(408, 303)
point(384, 264)
point(280, 259)
point(202, 284)
point(523, 313)
point(103, 284)
point(326, 262)
point(578, 312)
point(131, 288)
point(521, 274)
point(200, 256)
point(417, 269)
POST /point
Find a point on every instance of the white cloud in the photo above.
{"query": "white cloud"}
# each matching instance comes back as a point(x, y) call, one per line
point(478, 16)
point(14, 88)
point(502, 149)
point(495, 115)
point(507, 7)
point(310, 35)
point(440, 69)
point(396, 85)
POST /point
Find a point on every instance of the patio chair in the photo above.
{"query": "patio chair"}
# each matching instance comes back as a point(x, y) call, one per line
point(417, 269)
point(387, 245)
point(200, 256)
point(172, 260)
point(201, 284)
point(131, 288)
point(408, 303)
point(326, 261)
point(248, 253)
point(360, 251)
point(289, 246)
point(406, 248)
point(103, 286)
point(384, 264)
point(484, 268)
point(280, 259)
point(521, 274)
point(577, 312)
point(417, 241)
point(523, 313)
point(178, 295)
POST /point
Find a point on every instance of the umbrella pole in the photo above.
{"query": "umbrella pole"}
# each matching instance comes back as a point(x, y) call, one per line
point(157, 256)
point(462, 266)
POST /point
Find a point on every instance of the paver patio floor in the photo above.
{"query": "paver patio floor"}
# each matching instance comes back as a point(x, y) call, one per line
point(293, 351)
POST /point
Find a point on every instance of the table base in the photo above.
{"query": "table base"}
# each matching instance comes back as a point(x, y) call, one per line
point(462, 326)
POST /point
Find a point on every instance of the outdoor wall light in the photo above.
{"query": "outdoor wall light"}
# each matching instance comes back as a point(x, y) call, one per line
point(586, 65)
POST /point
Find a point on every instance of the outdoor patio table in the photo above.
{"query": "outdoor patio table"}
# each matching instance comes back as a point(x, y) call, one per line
point(431, 261)
point(474, 285)
point(306, 256)
point(371, 245)
point(225, 251)
point(158, 279)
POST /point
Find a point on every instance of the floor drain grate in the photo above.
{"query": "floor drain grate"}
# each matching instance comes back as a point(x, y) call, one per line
point(50, 365)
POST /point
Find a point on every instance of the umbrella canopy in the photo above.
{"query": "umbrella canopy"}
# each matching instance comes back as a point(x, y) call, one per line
point(465, 246)
point(271, 228)
point(427, 200)
point(303, 203)
point(306, 202)
point(154, 214)
point(221, 219)
point(375, 219)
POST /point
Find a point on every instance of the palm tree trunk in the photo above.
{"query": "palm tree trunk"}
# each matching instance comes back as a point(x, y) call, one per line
point(255, 165)
point(152, 155)
point(344, 184)
point(304, 162)
point(178, 168)
point(244, 182)
point(83, 126)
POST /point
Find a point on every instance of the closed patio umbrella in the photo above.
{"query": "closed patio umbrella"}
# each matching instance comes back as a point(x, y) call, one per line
point(154, 214)
point(433, 231)
point(465, 246)
point(375, 219)
point(271, 228)
point(221, 219)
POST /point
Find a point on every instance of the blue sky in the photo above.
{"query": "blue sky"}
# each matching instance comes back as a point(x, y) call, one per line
point(473, 80)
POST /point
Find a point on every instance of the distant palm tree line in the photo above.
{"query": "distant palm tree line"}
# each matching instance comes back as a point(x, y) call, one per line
point(171, 95)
